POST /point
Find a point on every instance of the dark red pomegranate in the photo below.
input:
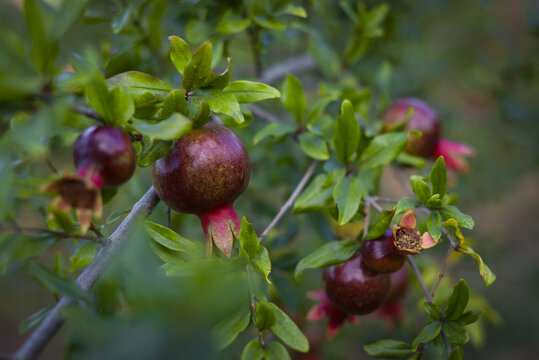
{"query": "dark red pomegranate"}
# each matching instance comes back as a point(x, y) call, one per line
point(106, 153)
point(423, 119)
point(203, 175)
point(104, 157)
point(379, 254)
point(354, 288)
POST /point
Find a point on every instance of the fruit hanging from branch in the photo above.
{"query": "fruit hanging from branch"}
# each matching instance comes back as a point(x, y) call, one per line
point(203, 175)
point(380, 255)
point(104, 157)
point(430, 144)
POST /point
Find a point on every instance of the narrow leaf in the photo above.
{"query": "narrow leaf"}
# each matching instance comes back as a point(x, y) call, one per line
point(172, 128)
point(248, 239)
point(253, 351)
point(230, 327)
point(198, 68)
point(458, 301)
point(335, 252)
point(438, 177)
point(84, 255)
point(273, 130)
point(285, 329)
point(293, 98)
point(251, 91)
point(427, 334)
point(381, 225)
point(348, 194)
point(452, 212)
point(314, 146)
point(346, 138)
point(55, 283)
point(434, 225)
point(34, 319)
point(180, 53)
point(383, 149)
point(171, 240)
point(392, 349)
point(276, 351)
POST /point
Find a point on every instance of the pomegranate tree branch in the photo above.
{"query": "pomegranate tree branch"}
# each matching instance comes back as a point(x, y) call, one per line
point(442, 274)
point(292, 65)
point(14, 228)
point(88, 112)
point(302, 183)
point(52, 323)
point(263, 114)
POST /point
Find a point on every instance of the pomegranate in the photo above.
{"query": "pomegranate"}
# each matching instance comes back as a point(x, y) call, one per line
point(104, 157)
point(423, 119)
point(354, 288)
point(203, 175)
point(379, 254)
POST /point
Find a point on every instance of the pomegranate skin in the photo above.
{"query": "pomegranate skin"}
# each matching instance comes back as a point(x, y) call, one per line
point(399, 285)
point(379, 254)
point(207, 169)
point(106, 151)
point(354, 288)
point(424, 119)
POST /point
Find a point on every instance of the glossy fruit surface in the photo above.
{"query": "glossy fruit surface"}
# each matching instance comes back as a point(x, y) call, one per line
point(104, 152)
point(379, 254)
point(423, 119)
point(207, 168)
point(354, 288)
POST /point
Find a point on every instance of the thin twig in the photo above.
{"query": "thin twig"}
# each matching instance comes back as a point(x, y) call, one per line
point(88, 112)
point(292, 65)
point(417, 274)
point(263, 114)
point(30, 230)
point(254, 37)
point(96, 231)
point(46, 330)
point(442, 274)
point(168, 217)
point(290, 201)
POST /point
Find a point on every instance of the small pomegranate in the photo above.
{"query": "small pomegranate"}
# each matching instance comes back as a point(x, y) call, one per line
point(423, 119)
point(430, 144)
point(406, 240)
point(354, 288)
point(379, 254)
point(203, 175)
point(104, 157)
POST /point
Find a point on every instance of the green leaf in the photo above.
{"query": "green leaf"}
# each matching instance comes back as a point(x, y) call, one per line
point(180, 54)
point(348, 193)
point(219, 102)
point(335, 252)
point(252, 351)
point(269, 23)
point(456, 353)
point(172, 128)
point(149, 150)
point(421, 188)
point(198, 69)
point(452, 212)
point(231, 122)
point(231, 23)
point(411, 160)
point(293, 98)
point(346, 137)
point(251, 91)
point(174, 103)
point(486, 274)
point(434, 202)
point(285, 329)
point(456, 333)
point(141, 86)
point(248, 239)
point(273, 130)
point(404, 204)
point(43, 49)
point(50, 281)
point(84, 256)
point(230, 327)
point(295, 10)
point(427, 334)
point(433, 311)
point(315, 197)
point(171, 240)
point(314, 146)
point(262, 263)
point(438, 177)
point(119, 21)
point(34, 319)
point(383, 149)
point(469, 317)
point(458, 301)
point(434, 225)
point(276, 351)
point(265, 317)
point(123, 107)
point(392, 349)
point(381, 225)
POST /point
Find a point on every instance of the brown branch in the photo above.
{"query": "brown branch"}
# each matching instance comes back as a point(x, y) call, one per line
point(442, 274)
point(14, 228)
point(302, 183)
point(88, 112)
point(52, 323)
point(292, 65)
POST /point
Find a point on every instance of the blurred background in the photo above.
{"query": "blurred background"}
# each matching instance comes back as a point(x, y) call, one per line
point(474, 61)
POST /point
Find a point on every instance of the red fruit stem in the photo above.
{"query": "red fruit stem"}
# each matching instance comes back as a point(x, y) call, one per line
point(221, 226)
point(91, 174)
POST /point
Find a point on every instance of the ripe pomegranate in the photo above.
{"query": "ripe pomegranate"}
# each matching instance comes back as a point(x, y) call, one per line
point(379, 254)
point(104, 157)
point(203, 175)
point(423, 119)
point(354, 288)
